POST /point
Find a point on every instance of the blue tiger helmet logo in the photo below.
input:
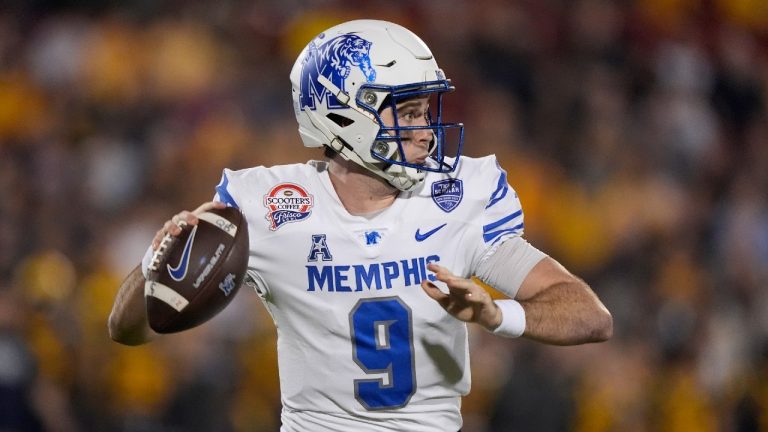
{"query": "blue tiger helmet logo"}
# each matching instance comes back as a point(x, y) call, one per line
point(334, 59)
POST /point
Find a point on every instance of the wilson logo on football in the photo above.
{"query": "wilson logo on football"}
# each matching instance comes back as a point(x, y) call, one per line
point(287, 202)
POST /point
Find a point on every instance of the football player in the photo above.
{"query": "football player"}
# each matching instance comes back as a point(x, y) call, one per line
point(364, 260)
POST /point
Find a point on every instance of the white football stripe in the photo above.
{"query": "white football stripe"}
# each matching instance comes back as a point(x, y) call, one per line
point(166, 294)
point(220, 222)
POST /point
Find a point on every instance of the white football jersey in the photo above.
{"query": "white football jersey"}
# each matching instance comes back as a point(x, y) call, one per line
point(360, 345)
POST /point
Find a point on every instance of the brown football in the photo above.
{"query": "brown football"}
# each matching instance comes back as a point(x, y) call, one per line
point(195, 275)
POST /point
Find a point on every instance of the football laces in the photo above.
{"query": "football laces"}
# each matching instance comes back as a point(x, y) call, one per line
point(165, 243)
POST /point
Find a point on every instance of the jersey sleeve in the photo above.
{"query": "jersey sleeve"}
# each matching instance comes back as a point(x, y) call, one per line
point(501, 213)
point(224, 190)
point(234, 190)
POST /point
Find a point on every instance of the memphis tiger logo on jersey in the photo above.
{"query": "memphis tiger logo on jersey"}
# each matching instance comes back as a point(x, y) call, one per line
point(286, 203)
point(447, 194)
point(371, 236)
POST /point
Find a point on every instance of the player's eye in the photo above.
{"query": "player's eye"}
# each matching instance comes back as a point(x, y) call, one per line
point(412, 115)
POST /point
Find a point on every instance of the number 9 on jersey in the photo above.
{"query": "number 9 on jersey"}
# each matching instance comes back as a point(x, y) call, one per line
point(382, 337)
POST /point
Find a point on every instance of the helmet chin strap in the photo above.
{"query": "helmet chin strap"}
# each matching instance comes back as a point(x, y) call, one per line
point(405, 178)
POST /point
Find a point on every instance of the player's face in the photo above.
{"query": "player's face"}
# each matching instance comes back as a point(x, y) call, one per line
point(412, 112)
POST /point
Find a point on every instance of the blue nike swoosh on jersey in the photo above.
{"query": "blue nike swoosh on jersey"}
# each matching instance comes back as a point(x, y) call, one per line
point(422, 237)
point(180, 271)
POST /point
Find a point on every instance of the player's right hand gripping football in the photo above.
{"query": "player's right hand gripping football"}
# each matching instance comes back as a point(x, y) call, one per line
point(180, 220)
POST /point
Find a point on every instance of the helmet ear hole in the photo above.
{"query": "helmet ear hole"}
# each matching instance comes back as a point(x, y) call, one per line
point(340, 119)
point(382, 148)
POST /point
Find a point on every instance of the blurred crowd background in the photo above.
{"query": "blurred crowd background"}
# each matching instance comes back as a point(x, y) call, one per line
point(635, 132)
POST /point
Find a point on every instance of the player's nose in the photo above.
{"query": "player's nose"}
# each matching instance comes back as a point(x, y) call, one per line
point(422, 137)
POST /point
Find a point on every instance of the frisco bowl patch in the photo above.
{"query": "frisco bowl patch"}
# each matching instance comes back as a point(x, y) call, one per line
point(447, 194)
point(287, 202)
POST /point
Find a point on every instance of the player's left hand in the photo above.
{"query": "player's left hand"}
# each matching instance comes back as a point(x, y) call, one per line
point(465, 300)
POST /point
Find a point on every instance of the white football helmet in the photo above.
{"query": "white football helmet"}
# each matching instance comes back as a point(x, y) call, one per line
point(342, 80)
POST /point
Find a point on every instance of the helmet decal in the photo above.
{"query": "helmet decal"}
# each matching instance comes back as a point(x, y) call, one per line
point(333, 59)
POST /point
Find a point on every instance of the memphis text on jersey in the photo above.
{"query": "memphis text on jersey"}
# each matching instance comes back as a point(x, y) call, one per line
point(359, 277)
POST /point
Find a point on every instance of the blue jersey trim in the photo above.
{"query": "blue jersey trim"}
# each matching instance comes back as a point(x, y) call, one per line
point(224, 196)
point(501, 188)
point(493, 235)
point(502, 221)
point(499, 198)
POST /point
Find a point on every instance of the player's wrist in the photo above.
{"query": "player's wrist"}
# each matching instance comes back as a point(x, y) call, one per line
point(512, 323)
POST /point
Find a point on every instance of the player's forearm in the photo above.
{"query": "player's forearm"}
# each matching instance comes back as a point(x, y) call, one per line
point(567, 313)
point(128, 323)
